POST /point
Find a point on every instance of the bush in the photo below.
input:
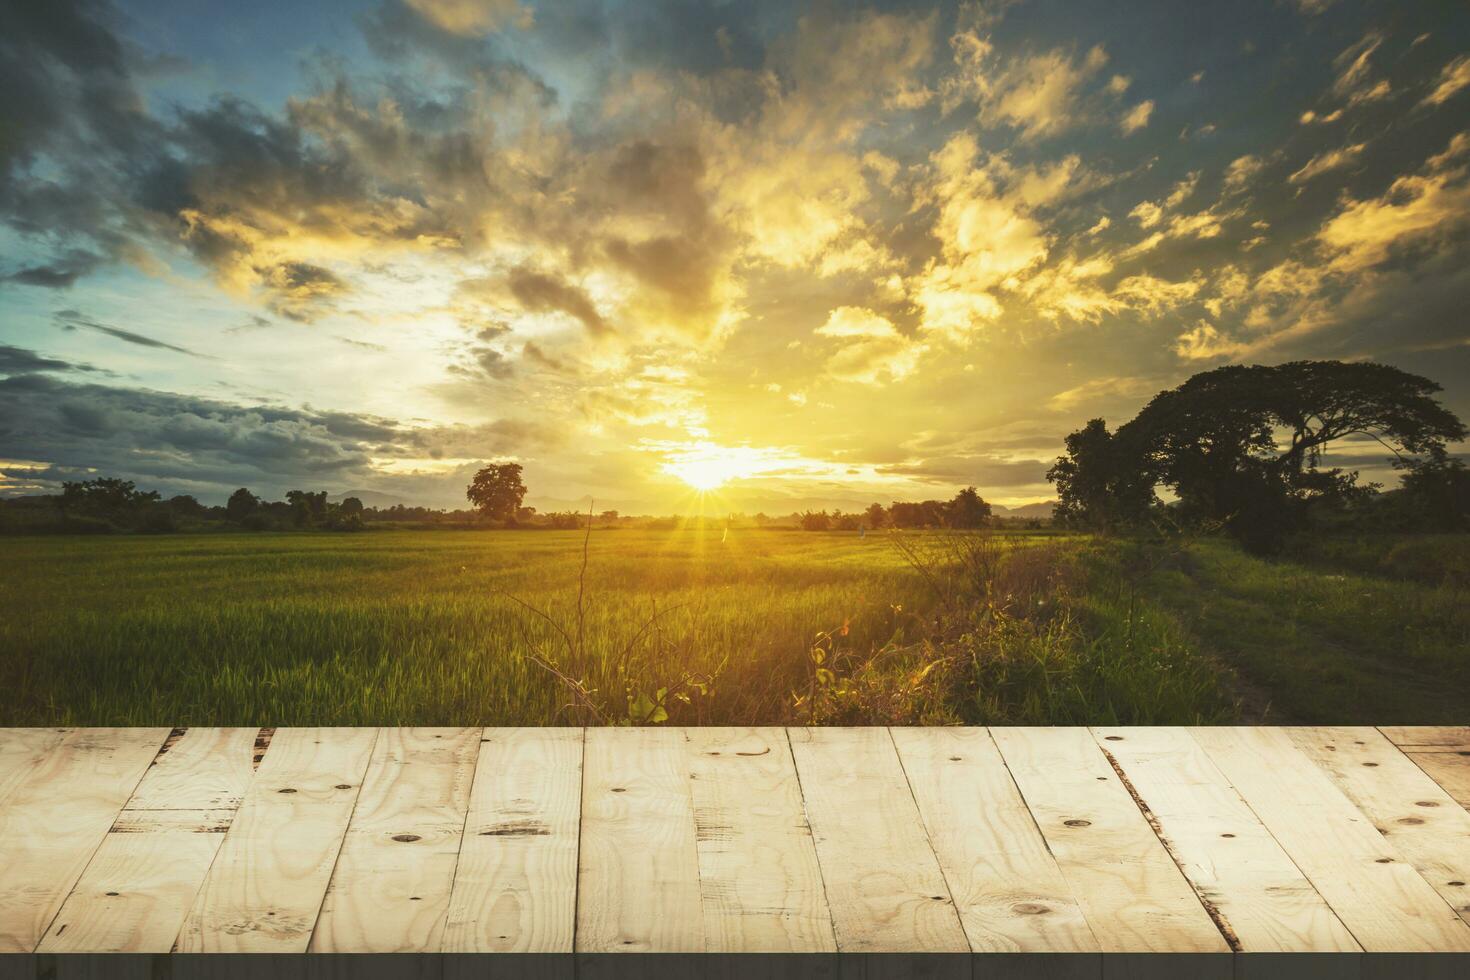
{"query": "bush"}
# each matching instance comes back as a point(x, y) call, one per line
point(158, 520)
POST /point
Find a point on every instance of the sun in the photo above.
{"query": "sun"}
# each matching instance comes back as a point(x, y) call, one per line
point(707, 466)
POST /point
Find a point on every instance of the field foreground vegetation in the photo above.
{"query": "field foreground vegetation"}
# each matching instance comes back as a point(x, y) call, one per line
point(700, 626)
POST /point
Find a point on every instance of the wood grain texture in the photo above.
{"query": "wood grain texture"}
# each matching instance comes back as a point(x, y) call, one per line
point(21, 750)
point(390, 890)
point(265, 889)
point(204, 769)
point(1436, 738)
point(883, 882)
point(56, 816)
point(1132, 893)
point(1422, 821)
point(515, 889)
point(1451, 770)
point(1376, 893)
point(638, 877)
point(1007, 888)
point(759, 878)
point(1229, 856)
point(140, 884)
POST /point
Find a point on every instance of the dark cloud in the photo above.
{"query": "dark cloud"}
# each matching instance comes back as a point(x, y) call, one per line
point(542, 293)
point(73, 320)
point(19, 360)
point(170, 440)
point(980, 471)
point(60, 273)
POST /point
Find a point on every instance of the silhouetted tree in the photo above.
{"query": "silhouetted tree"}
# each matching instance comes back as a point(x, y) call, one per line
point(307, 509)
point(106, 497)
point(1436, 493)
point(185, 505)
point(350, 506)
point(876, 516)
point(1098, 484)
point(968, 510)
point(497, 490)
point(1214, 441)
point(242, 504)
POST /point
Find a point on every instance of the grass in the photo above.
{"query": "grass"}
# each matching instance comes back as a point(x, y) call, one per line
point(691, 627)
point(416, 627)
point(1317, 643)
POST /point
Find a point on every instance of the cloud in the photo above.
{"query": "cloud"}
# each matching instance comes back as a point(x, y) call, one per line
point(191, 444)
point(72, 320)
point(62, 273)
point(1310, 117)
point(1100, 389)
point(1321, 163)
point(1242, 171)
point(1204, 342)
point(1354, 79)
point(1137, 117)
point(1415, 208)
point(872, 349)
point(541, 293)
point(1452, 78)
point(988, 237)
point(19, 360)
point(1036, 94)
point(473, 17)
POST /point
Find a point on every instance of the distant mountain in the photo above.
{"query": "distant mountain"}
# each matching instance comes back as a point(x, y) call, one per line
point(1036, 512)
point(372, 498)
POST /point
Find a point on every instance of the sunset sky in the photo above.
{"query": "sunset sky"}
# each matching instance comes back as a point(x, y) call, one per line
point(810, 255)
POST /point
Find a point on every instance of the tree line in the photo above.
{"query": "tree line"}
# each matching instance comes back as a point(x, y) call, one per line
point(966, 510)
point(1243, 448)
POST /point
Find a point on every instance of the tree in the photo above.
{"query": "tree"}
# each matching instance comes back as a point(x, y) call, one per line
point(609, 517)
point(105, 496)
point(815, 521)
point(1436, 492)
point(497, 490)
point(1242, 446)
point(1098, 485)
point(242, 504)
point(186, 505)
point(876, 516)
point(350, 506)
point(925, 513)
point(968, 510)
point(307, 509)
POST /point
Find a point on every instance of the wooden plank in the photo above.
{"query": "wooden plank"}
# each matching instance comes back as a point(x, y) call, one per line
point(140, 884)
point(1429, 738)
point(883, 882)
point(55, 817)
point(638, 876)
point(515, 890)
point(1006, 885)
point(1378, 895)
point(21, 750)
point(1256, 890)
point(1130, 889)
point(1451, 770)
point(1423, 822)
point(758, 874)
point(266, 886)
point(390, 890)
point(204, 769)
